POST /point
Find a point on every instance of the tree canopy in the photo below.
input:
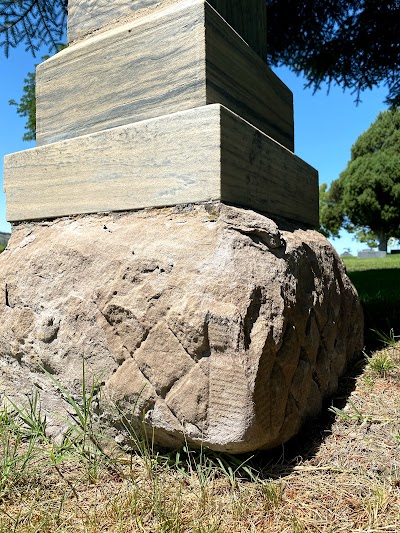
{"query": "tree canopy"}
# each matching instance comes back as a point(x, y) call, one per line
point(27, 106)
point(33, 23)
point(365, 199)
point(354, 44)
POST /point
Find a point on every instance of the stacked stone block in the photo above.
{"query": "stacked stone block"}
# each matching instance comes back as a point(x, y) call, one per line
point(158, 104)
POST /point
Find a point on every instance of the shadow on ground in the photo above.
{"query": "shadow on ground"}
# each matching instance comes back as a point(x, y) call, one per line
point(379, 292)
point(304, 446)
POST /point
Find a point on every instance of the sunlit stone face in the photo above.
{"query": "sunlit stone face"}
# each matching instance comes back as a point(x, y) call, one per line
point(247, 17)
point(85, 16)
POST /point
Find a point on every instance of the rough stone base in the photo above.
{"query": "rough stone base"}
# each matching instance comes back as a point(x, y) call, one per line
point(208, 321)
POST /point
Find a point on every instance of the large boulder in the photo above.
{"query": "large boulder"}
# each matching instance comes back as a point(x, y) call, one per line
point(211, 322)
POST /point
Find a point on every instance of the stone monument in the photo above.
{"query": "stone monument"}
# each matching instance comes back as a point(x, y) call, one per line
point(162, 231)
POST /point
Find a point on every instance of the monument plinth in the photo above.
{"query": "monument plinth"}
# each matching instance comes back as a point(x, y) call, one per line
point(162, 232)
point(174, 57)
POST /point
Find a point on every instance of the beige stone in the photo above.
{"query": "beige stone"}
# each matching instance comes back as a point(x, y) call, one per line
point(202, 154)
point(247, 17)
point(212, 324)
point(178, 58)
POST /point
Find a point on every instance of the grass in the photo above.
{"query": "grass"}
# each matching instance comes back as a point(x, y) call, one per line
point(378, 284)
point(341, 474)
point(381, 363)
point(383, 263)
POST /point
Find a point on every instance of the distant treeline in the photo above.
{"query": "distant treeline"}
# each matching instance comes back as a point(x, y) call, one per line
point(4, 238)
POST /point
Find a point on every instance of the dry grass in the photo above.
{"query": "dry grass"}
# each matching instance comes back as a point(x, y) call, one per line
point(342, 474)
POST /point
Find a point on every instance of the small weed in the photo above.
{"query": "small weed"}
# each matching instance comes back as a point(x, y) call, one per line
point(368, 380)
point(213, 464)
point(234, 468)
point(377, 504)
point(32, 422)
point(17, 452)
point(140, 442)
point(239, 505)
point(388, 340)
point(297, 525)
point(81, 436)
point(273, 494)
point(200, 468)
point(353, 415)
point(380, 363)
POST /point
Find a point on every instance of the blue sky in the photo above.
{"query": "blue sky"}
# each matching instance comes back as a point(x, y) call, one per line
point(326, 125)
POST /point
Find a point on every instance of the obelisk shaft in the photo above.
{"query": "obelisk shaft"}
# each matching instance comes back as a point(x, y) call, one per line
point(247, 17)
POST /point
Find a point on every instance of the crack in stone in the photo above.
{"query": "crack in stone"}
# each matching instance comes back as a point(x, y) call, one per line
point(7, 296)
point(252, 315)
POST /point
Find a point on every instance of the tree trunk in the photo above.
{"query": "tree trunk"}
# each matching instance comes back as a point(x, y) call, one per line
point(382, 237)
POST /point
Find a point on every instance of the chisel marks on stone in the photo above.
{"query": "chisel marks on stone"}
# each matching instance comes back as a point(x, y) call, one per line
point(230, 408)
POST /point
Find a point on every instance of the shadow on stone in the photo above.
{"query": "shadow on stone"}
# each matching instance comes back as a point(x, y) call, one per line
point(305, 445)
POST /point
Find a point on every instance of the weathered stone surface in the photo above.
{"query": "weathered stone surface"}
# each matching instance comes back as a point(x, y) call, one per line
point(88, 16)
point(178, 58)
point(210, 321)
point(247, 17)
point(202, 154)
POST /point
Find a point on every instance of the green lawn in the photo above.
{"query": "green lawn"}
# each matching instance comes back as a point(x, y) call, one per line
point(354, 263)
point(378, 284)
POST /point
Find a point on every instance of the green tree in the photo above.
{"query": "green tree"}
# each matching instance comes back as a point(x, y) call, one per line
point(365, 199)
point(27, 106)
point(354, 44)
point(330, 211)
point(33, 23)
